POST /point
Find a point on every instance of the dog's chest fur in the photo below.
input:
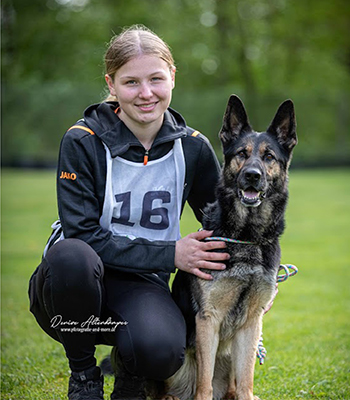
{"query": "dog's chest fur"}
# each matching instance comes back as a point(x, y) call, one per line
point(244, 288)
point(247, 285)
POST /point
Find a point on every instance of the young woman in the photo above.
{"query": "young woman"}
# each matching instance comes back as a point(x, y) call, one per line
point(125, 172)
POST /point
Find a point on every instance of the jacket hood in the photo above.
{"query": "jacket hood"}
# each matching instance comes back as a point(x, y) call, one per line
point(102, 119)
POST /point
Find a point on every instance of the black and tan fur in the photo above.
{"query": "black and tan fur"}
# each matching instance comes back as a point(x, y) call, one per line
point(225, 319)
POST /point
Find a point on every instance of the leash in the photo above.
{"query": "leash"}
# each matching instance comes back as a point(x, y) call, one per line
point(286, 268)
point(289, 271)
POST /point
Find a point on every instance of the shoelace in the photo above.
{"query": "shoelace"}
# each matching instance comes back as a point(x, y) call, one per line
point(89, 387)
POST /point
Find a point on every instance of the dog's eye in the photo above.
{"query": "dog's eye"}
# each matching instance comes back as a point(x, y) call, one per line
point(269, 157)
point(242, 154)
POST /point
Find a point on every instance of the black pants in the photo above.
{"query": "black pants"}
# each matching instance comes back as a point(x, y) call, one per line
point(71, 285)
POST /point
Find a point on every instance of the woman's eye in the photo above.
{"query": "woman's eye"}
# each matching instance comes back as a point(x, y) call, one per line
point(131, 82)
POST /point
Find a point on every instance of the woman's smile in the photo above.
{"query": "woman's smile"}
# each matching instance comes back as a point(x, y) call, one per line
point(147, 107)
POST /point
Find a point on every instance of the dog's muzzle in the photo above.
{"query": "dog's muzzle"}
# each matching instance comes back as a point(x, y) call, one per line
point(251, 193)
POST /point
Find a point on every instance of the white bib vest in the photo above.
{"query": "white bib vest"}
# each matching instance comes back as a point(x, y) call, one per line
point(144, 200)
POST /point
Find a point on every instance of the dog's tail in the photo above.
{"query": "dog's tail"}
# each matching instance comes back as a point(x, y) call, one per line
point(183, 383)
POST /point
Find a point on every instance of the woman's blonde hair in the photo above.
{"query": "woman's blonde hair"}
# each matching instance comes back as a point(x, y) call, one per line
point(132, 42)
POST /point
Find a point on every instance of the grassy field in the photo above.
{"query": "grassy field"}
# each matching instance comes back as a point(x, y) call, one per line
point(307, 332)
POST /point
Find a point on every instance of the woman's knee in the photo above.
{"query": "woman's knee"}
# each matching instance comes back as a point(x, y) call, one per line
point(74, 256)
point(159, 357)
point(73, 262)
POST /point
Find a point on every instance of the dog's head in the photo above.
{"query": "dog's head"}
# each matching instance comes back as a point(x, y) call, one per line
point(256, 163)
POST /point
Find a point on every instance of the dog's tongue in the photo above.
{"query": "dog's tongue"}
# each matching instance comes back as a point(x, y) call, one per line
point(250, 194)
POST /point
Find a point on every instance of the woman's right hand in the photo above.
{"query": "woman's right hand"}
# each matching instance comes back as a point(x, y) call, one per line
point(192, 254)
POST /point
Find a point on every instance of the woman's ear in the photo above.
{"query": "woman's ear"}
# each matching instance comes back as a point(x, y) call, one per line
point(172, 73)
point(110, 84)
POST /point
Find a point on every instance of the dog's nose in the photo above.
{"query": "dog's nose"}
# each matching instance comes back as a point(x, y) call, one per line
point(253, 175)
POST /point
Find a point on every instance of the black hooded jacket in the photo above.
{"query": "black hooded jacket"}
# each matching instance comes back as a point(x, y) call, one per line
point(81, 178)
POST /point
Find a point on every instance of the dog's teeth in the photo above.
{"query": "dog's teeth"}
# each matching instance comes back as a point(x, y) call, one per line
point(251, 195)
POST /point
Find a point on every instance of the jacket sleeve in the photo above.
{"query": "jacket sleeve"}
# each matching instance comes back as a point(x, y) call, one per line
point(205, 179)
point(80, 208)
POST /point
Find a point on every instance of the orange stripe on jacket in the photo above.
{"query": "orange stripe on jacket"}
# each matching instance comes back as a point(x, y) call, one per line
point(83, 128)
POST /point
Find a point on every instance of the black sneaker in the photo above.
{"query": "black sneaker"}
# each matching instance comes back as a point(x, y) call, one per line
point(127, 386)
point(86, 385)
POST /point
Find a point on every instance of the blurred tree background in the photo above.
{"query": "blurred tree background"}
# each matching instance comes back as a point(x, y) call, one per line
point(263, 50)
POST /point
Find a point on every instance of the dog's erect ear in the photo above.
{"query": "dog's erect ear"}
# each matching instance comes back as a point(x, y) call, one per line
point(284, 126)
point(235, 121)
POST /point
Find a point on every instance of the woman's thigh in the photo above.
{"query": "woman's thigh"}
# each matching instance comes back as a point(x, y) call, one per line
point(68, 283)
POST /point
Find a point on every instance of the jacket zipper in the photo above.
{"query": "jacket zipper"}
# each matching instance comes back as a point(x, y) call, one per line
point(145, 157)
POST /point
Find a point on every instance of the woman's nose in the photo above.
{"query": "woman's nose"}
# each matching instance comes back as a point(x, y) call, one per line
point(145, 91)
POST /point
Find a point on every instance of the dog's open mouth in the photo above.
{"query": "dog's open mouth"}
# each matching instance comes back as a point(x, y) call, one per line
point(250, 197)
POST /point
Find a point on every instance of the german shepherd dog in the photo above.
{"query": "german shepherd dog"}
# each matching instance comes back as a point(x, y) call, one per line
point(225, 317)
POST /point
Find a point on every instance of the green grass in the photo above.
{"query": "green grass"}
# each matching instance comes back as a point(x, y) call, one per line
point(307, 332)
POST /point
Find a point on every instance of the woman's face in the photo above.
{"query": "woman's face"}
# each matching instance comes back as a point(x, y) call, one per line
point(143, 87)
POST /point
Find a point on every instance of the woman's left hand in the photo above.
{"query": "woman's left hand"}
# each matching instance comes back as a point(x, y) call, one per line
point(192, 254)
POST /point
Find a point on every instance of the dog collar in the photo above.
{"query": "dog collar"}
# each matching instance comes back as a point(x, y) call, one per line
point(228, 240)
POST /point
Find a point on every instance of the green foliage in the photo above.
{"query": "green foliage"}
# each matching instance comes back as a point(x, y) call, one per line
point(265, 51)
point(305, 333)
